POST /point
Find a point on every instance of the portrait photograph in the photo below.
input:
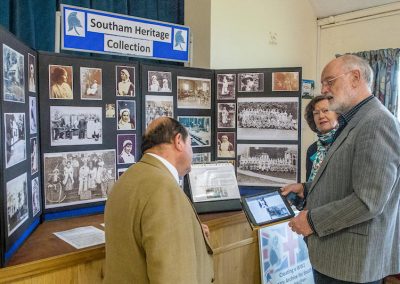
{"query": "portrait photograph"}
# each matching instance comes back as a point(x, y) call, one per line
point(34, 155)
point(251, 82)
point(194, 93)
point(75, 125)
point(60, 82)
point(267, 118)
point(199, 158)
point(126, 115)
point(13, 75)
point(126, 147)
point(226, 115)
point(159, 81)
point(72, 178)
point(158, 106)
point(35, 196)
point(15, 138)
point(226, 86)
point(266, 164)
point(125, 81)
point(33, 115)
point(199, 128)
point(32, 78)
point(91, 83)
point(285, 81)
point(17, 203)
point(110, 110)
point(226, 144)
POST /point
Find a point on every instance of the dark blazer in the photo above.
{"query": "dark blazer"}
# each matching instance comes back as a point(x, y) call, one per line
point(310, 152)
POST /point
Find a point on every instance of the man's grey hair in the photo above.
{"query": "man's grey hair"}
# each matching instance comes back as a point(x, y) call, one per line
point(351, 62)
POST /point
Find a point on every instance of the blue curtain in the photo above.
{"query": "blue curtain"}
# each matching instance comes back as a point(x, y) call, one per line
point(33, 21)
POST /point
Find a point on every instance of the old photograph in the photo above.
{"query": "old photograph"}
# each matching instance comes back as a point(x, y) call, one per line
point(267, 118)
point(158, 106)
point(285, 81)
point(34, 155)
point(126, 146)
point(199, 128)
point(75, 125)
point(17, 203)
point(251, 82)
point(60, 82)
point(226, 86)
point(126, 115)
point(194, 93)
point(32, 78)
point(33, 123)
point(15, 138)
point(121, 171)
point(226, 115)
point(72, 178)
point(13, 75)
point(125, 81)
point(91, 83)
point(159, 82)
point(110, 110)
point(199, 158)
point(35, 196)
point(266, 164)
point(226, 144)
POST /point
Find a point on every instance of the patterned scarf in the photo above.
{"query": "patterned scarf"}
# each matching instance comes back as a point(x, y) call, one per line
point(324, 142)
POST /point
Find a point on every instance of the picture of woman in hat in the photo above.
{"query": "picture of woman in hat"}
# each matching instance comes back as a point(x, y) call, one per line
point(125, 87)
point(126, 156)
point(124, 122)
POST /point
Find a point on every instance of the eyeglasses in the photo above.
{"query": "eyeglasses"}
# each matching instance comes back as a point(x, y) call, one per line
point(318, 112)
point(329, 83)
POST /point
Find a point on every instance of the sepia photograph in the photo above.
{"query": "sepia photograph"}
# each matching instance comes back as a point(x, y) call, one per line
point(34, 155)
point(251, 82)
point(126, 115)
point(75, 125)
point(91, 83)
point(226, 115)
point(159, 81)
point(199, 158)
point(194, 93)
point(126, 146)
point(125, 81)
point(15, 150)
point(285, 81)
point(226, 144)
point(226, 86)
point(110, 110)
point(17, 203)
point(158, 106)
point(72, 178)
point(35, 196)
point(33, 123)
point(13, 75)
point(32, 78)
point(267, 118)
point(60, 82)
point(266, 164)
point(199, 128)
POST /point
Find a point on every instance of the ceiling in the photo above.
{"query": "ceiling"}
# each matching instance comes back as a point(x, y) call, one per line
point(326, 8)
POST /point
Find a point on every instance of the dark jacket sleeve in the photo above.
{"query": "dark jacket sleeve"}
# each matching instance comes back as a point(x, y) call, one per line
point(310, 151)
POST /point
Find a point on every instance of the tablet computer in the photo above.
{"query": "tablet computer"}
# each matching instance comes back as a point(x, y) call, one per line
point(266, 208)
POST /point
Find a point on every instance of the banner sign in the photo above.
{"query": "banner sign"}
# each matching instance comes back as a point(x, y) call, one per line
point(96, 31)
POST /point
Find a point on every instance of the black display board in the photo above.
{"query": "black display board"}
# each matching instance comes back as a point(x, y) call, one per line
point(20, 206)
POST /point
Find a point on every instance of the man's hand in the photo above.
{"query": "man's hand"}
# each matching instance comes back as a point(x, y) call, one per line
point(206, 230)
point(295, 188)
point(299, 224)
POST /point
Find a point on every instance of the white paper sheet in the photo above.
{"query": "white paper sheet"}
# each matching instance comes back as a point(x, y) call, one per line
point(82, 237)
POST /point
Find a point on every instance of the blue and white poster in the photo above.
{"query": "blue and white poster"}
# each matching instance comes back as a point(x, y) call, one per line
point(283, 256)
point(97, 31)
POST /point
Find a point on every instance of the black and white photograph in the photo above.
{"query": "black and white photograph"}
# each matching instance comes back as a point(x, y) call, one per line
point(17, 203)
point(199, 158)
point(61, 82)
point(75, 125)
point(199, 128)
point(251, 82)
point(285, 81)
point(32, 78)
point(121, 171)
point(125, 81)
point(226, 115)
point(91, 83)
point(226, 86)
point(126, 146)
point(34, 155)
point(226, 145)
point(13, 75)
point(267, 118)
point(126, 115)
point(110, 110)
point(15, 138)
point(266, 164)
point(35, 196)
point(194, 93)
point(72, 178)
point(33, 115)
point(159, 106)
point(159, 82)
